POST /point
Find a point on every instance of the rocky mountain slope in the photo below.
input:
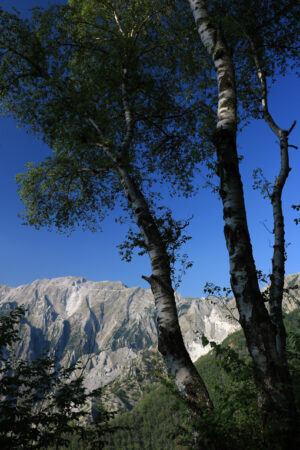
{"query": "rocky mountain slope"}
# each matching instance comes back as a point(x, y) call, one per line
point(112, 329)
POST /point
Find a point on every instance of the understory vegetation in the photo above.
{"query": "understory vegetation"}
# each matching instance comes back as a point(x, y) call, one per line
point(42, 404)
point(162, 419)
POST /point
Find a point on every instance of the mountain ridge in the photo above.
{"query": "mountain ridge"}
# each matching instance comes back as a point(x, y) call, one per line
point(111, 328)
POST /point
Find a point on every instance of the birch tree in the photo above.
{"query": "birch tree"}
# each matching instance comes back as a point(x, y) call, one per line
point(124, 94)
point(237, 37)
point(83, 77)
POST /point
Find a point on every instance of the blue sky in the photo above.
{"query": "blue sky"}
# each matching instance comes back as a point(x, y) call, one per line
point(27, 254)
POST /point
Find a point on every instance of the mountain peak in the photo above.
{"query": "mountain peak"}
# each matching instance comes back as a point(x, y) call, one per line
point(108, 325)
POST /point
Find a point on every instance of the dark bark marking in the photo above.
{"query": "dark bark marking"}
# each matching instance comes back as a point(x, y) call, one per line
point(227, 213)
point(219, 54)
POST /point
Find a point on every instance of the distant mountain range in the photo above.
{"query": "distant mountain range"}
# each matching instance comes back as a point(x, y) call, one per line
point(112, 329)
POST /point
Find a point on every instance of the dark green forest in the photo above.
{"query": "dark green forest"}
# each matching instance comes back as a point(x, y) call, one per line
point(43, 406)
point(162, 420)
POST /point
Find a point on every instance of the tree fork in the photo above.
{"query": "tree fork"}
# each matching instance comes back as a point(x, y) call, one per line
point(270, 376)
point(278, 259)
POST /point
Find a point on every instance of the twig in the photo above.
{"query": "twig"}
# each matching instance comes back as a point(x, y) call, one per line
point(292, 127)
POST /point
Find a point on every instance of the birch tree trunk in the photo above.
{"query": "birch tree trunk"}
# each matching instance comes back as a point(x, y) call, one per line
point(270, 375)
point(278, 259)
point(170, 341)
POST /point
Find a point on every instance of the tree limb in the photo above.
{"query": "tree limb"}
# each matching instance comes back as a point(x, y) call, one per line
point(264, 91)
point(127, 113)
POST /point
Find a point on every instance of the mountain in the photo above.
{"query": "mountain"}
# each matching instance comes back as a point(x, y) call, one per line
point(160, 416)
point(112, 328)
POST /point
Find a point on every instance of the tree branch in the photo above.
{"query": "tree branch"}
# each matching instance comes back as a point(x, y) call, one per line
point(104, 145)
point(15, 80)
point(96, 171)
point(264, 91)
point(118, 23)
point(278, 258)
point(291, 129)
point(127, 113)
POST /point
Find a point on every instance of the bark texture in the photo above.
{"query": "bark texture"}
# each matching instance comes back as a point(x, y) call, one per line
point(170, 341)
point(260, 328)
point(278, 259)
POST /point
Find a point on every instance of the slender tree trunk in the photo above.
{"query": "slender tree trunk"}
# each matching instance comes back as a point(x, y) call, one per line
point(270, 375)
point(278, 259)
point(277, 283)
point(258, 328)
point(170, 341)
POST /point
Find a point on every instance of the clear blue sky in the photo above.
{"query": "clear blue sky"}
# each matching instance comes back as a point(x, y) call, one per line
point(27, 254)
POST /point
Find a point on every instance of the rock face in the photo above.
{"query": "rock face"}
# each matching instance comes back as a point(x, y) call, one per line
point(110, 327)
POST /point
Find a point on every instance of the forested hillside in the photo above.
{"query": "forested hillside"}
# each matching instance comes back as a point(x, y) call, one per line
point(161, 421)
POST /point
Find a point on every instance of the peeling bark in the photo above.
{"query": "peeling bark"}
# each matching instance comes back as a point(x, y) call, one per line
point(261, 333)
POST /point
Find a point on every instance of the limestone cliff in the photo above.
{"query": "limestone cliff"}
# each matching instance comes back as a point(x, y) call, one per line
point(112, 328)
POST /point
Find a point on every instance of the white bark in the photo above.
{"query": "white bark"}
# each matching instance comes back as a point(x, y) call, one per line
point(170, 341)
point(214, 43)
point(258, 328)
